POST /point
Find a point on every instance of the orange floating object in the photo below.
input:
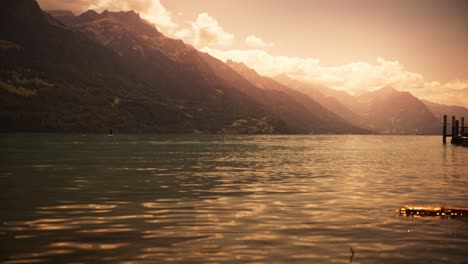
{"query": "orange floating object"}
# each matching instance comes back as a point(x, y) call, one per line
point(423, 211)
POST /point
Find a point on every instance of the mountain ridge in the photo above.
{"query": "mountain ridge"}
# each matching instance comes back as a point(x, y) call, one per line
point(339, 124)
point(439, 110)
point(384, 111)
point(325, 97)
point(94, 88)
point(390, 111)
point(96, 71)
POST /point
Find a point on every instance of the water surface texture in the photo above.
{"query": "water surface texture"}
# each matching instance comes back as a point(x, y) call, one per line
point(229, 199)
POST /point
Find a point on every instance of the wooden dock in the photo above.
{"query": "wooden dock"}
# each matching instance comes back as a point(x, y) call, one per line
point(459, 133)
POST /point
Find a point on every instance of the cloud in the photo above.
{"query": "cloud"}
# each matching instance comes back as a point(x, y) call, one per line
point(256, 42)
point(77, 6)
point(456, 85)
point(265, 63)
point(352, 77)
point(204, 32)
point(452, 93)
point(208, 33)
point(151, 10)
point(184, 34)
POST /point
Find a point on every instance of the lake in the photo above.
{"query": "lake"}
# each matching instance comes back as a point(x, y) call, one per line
point(229, 199)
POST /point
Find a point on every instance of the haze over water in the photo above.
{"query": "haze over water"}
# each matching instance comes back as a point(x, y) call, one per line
point(229, 199)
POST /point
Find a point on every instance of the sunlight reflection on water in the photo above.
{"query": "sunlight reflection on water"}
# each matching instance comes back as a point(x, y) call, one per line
point(241, 199)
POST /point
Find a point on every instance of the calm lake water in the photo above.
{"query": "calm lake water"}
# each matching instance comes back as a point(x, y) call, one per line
point(229, 199)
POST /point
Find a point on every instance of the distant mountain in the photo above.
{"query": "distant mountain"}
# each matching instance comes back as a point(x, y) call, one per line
point(333, 100)
point(439, 110)
point(389, 111)
point(386, 111)
point(293, 102)
point(346, 100)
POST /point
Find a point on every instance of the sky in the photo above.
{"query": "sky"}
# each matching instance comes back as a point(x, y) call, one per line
point(419, 46)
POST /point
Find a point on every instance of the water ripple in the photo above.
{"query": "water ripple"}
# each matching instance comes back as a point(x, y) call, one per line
point(230, 199)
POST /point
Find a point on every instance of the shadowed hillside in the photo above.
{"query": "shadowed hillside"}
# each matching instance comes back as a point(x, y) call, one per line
point(59, 79)
point(114, 70)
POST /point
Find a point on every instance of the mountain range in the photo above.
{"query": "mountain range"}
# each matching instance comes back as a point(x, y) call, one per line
point(439, 110)
point(384, 111)
point(113, 70)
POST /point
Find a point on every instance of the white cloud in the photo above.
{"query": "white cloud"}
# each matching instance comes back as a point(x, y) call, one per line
point(151, 10)
point(184, 34)
point(353, 77)
point(76, 6)
point(457, 85)
point(265, 63)
point(204, 32)
point(256, 42)
point(208, 33)
point(454, 92)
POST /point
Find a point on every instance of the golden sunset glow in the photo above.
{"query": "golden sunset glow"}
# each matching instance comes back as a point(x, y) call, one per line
point(417, 46)
point(234, 131)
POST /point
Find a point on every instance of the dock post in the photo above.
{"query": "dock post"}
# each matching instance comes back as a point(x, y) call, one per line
point(453, 130)
point(462, 126)
point(457, 128)
point(444, 131)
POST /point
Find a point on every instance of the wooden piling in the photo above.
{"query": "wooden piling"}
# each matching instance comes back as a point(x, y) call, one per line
point(453, 130)
point(444, 131)
point(453, 125)
point(462, 127)
point(459, 132)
